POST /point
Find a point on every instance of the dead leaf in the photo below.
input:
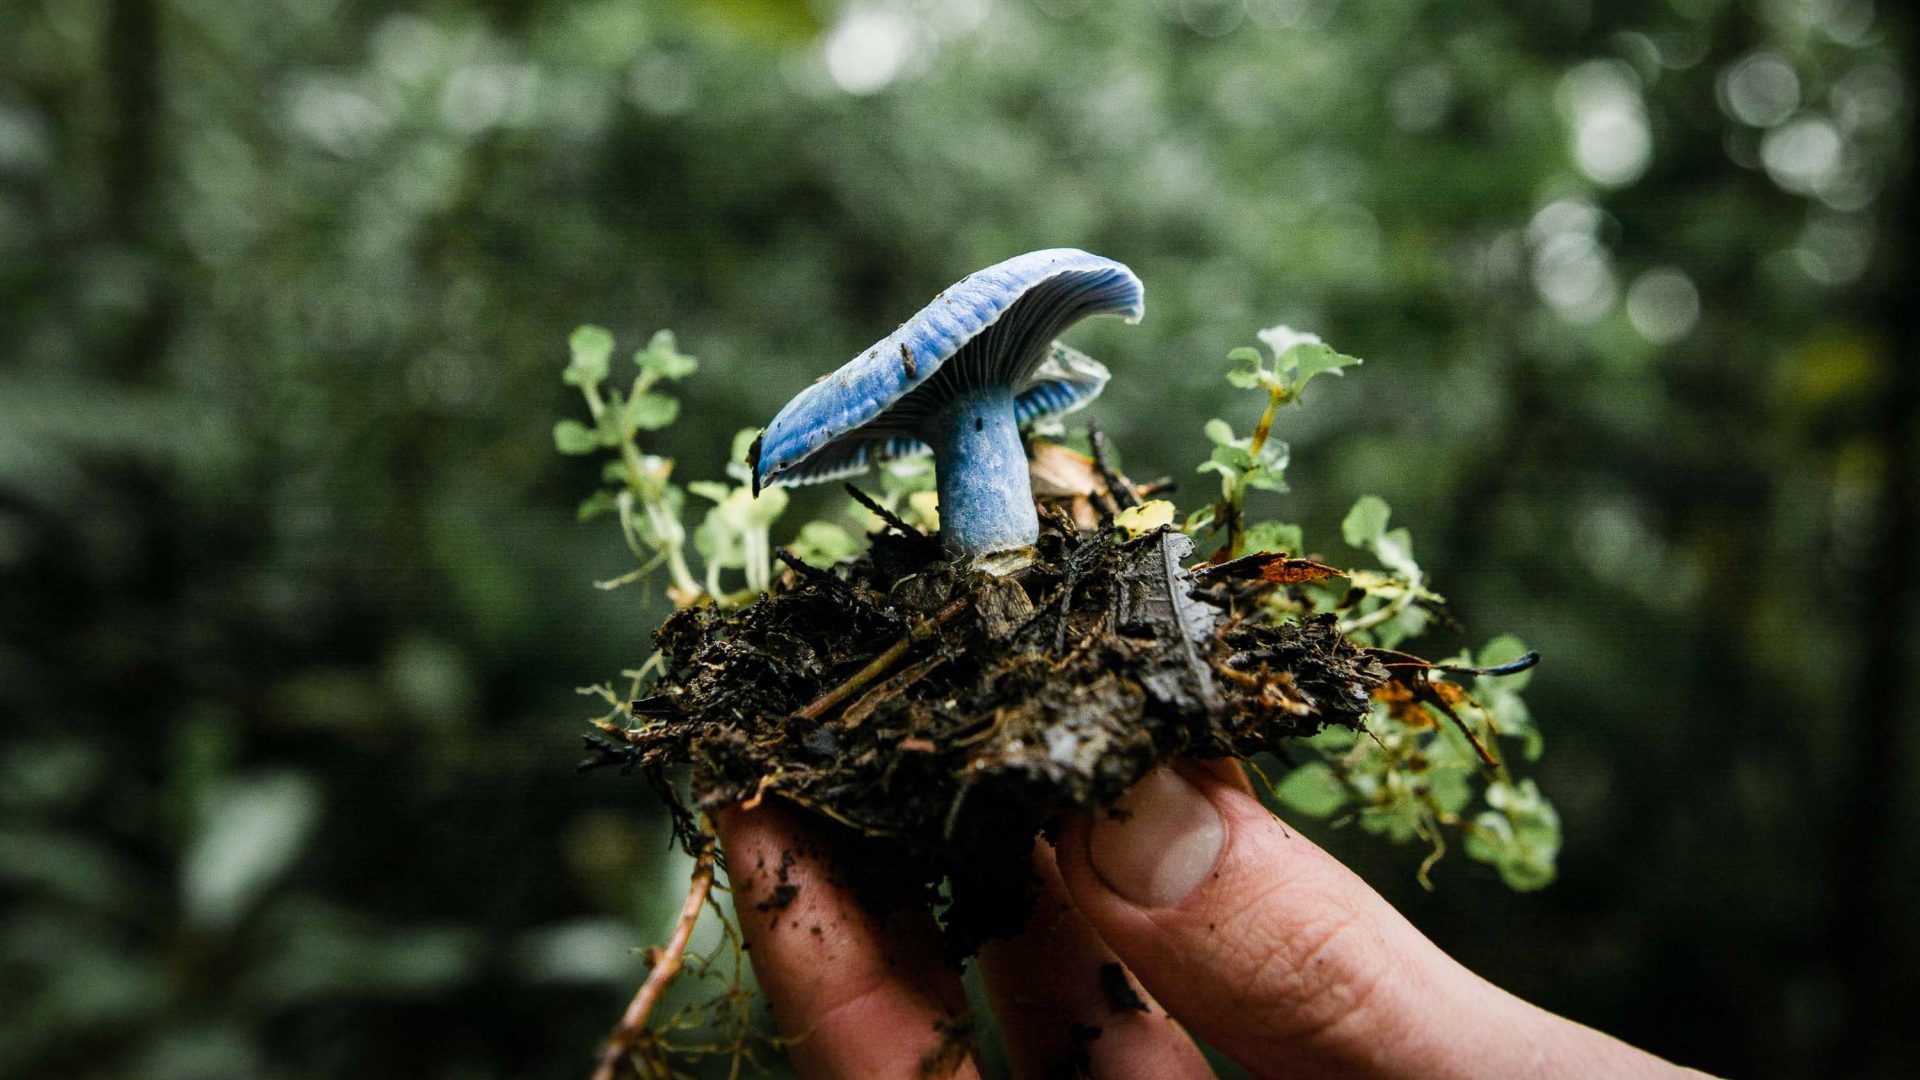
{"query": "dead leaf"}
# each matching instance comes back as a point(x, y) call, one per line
point(1272, 566)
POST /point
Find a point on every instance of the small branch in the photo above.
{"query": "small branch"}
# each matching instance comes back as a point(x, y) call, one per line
point(1120, 490)
point(668, 961)
point(858, 711)
point(1422, 691)
point(892, 519)
point(811, 573)
point(604, 753)
point(878, 665)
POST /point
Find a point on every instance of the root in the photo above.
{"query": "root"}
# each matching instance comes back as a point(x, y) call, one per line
point(667, 963)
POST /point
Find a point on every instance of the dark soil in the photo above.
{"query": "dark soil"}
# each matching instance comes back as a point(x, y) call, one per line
point(938, 720)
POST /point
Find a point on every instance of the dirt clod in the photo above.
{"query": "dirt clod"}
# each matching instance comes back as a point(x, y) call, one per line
point(941, 719)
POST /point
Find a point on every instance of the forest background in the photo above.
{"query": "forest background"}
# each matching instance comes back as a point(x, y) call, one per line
point(293, 603)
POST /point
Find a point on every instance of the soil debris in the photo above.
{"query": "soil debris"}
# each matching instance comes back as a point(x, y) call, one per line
point(942, 718)
point(1119, 988)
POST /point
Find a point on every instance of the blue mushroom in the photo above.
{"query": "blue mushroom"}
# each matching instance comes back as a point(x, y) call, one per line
point(959, 380)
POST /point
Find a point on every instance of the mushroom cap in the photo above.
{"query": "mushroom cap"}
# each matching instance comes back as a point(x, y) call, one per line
point(1065, 381)
point(993, 327)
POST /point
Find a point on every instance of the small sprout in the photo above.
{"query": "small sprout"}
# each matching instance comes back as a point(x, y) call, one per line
point(639, 487)
point(1297, 358)
point(1259, 462)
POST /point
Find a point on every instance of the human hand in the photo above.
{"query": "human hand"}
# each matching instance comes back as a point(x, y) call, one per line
point(1229, 924)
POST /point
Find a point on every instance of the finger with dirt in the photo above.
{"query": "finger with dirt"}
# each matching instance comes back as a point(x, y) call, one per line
point(1067, 1007)
point(856, 991)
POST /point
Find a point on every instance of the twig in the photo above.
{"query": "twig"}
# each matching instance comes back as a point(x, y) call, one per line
point(605, 753)
point(892, 519)
point(808, 572)
point(668, 961)
point(858, 712)
point(1424, 692)
point(1119, 490)
point(878, 665)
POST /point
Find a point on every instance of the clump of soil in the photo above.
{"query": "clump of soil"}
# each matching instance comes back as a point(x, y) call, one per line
point(939, 719)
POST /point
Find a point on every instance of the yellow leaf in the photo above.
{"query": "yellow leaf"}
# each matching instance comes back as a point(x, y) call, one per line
point(1144, 518)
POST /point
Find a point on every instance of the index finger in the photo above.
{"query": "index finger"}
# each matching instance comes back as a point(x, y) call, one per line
point(856, 991)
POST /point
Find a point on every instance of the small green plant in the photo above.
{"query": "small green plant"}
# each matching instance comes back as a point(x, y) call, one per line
point(1430, 748)
point(735, 536)
point(1426, 766)
point(1258, 462)
point(1430, 763)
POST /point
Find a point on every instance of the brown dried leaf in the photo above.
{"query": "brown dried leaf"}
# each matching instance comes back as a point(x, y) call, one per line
point(1272, 566)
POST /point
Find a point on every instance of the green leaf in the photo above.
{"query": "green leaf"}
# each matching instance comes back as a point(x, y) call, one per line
point(1491, 837)
point(762, 510)
point(1399, 822)
point(574, 437)
point(663, 359)
point(719, 542)
point(1333, 739)
point(1309, 359)
point(251, 834)
point(742, 443)
point(1450, 790)
point(1262, 478)
point(592, 348)
point(1504, 650)
point(1394, 548)
point(600, 502)
point(1274, 536)
point(1527, 871)
point(1366, 523)
point(710, 490)
point(1219, 432)
point(651, 412)
point(1231, 457)
point(1313, 788)
point(822, 543)
point(1248, 368)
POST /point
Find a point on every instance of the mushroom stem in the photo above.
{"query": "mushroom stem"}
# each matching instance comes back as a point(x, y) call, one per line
point(986, 498)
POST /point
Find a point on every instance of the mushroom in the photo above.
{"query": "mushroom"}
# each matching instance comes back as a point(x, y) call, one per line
point(959, 380)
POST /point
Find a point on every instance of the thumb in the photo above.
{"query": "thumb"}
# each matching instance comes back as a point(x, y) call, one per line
point(1271, 950)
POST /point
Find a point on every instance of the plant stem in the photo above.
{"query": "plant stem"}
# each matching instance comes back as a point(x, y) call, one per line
point(1275, 395)
point(670, 959)
point(1236, 498)
point(878, 665)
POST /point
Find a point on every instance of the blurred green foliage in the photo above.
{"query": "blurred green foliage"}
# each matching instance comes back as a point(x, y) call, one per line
point(292, 602)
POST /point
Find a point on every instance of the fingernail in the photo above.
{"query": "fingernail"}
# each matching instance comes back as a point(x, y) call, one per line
point(1163, 845)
